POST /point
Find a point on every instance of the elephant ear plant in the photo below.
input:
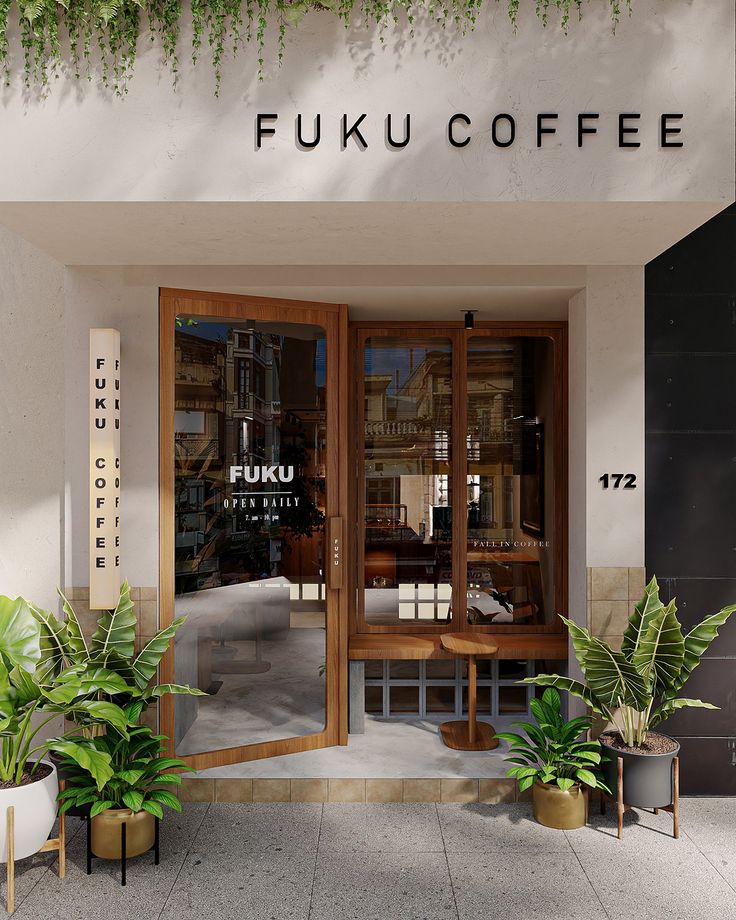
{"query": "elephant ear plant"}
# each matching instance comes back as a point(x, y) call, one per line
point(639, 686)
point(107, 665)
point(33, 692)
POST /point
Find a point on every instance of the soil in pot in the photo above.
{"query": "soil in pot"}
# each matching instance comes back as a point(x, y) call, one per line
point(564, 810)
point(648, 774)
point(28, 777)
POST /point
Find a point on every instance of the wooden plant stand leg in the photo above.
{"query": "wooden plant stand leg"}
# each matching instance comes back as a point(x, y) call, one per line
point(674, 808)
point(53, 844)
point(10, 904)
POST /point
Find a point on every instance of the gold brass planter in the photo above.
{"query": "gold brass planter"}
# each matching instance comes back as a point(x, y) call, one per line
point(555, 808)
point(140, 831)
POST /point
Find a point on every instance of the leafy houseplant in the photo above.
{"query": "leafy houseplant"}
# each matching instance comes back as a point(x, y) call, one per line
point(134, 792)
point(33, 693)
point(638, 687)
point(555, 763)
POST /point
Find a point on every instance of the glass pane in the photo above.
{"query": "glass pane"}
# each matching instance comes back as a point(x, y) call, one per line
point(510, 482)
point(249, 431)
point(408, 492)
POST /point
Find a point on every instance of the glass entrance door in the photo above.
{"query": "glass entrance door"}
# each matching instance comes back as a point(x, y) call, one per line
point(250, 483)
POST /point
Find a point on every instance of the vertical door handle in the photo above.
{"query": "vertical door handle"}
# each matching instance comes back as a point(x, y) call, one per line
point(335, 565)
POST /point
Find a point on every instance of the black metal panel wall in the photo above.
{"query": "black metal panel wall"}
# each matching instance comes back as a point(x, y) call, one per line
point(691, 475)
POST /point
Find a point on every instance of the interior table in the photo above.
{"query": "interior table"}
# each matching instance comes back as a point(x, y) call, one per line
point(470, 735)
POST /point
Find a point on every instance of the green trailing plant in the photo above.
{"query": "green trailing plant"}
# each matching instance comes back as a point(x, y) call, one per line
point(639, 686)
point(552, 751)
point(82, 37)
point(140, 776)
point(33, 692)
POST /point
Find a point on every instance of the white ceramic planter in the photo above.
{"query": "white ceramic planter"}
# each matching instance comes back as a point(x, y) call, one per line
point(35, 812)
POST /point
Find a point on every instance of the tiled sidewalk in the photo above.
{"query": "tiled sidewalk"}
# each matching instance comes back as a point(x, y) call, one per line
point(401, 862)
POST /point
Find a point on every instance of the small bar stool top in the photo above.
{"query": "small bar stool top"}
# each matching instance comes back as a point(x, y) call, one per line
point(470, 735)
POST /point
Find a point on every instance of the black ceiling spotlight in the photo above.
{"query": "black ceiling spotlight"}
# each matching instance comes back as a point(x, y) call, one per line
point(470, 319)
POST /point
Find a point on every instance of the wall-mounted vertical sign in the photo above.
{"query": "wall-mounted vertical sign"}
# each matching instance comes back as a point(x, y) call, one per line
point(104, 468)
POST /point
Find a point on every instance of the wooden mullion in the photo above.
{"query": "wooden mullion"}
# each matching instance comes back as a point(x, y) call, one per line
point(459, 472)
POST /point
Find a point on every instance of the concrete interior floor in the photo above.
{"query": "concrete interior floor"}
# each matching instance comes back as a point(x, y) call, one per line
point(395, 748)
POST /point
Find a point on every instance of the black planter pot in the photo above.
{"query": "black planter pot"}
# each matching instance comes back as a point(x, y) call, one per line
point(76, 811)
point(648, 778)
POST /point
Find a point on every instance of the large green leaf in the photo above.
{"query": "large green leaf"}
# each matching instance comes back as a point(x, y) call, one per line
point(94, 680)
point(575, 687)
point(660, 651)
point(163, 689)
point(612, 678)
point(669, 706)
point(579, 637)
point(54, 644)
point(698, 640)
point(116, 629)
point(647, 608)
point(103, 711)
point(8, 697)
point(96, 763)
point(27, 689)
point(20, 634)
point(77, 645)
point(152, 652)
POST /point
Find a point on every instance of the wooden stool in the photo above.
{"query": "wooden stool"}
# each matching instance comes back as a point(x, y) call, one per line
point(673, 808)
point(51, 845)
point(470, 735)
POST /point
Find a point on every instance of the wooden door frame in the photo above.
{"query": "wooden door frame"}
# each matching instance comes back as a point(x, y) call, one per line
point(557, 332)
point(334, 320)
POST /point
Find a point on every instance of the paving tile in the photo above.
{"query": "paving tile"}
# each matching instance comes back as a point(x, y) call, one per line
point(475, 828)
point(100, 896)
point(497, 791)
point(542, 886)
point(271, 790)
point(234, 790)
point(383, 886)
point(422, 790)
point(197, 789)
point(710, 824)
point(648, 874)
point(252, 886)
point(278, 827)
point(384, 790)
point(346, 790)
point(309, 790)
point(380, 828)
point(609, 584)
point(459, 791)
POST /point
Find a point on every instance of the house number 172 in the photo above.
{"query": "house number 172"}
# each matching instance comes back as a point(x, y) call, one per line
point(618, 480)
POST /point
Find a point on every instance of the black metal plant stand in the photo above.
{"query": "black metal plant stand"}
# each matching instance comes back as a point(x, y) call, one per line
point(123, 855)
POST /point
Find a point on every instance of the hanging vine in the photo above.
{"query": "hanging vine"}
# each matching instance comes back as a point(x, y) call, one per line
point(84, 37)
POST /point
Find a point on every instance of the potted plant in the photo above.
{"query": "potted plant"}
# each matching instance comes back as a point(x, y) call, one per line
point(107, 668)
point(554, 760)
point(637, 688)
point(135, 791)
point(31, 696)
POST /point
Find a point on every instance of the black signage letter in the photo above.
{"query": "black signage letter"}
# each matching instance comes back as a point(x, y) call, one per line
point(586, 129)
point(544, 129)
point(263, 131)
point(308, 145)
point(624, 129)
point(397, 145)
point(354, 130)
point(451, 124)
point(512, 130)
point(665, 130)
